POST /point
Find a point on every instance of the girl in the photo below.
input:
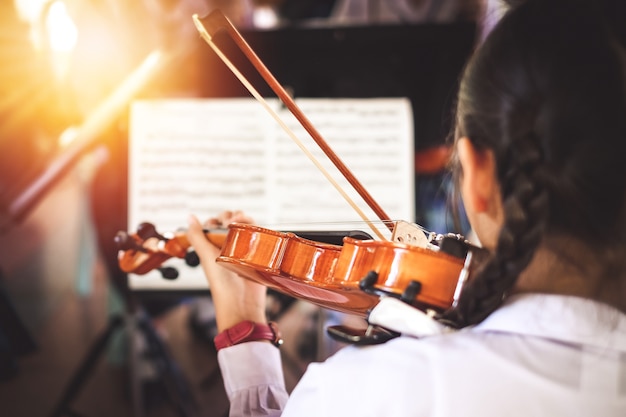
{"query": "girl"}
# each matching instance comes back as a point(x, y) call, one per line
point(540, 143)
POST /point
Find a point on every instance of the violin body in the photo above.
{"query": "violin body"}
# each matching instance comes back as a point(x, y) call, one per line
point(331, 276)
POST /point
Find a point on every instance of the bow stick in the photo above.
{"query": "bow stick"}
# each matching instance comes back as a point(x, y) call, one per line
point(216, 22)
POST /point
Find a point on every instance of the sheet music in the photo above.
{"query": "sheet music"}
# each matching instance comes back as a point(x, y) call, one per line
point(203, 156)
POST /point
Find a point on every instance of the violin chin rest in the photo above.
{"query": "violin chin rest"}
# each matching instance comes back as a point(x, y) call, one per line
point(373, 335)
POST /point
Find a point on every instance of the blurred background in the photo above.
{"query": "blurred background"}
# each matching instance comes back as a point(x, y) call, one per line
point(69, 71)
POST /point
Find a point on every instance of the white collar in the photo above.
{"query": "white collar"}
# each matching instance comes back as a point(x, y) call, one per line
point(567, 319)
point(558, 317)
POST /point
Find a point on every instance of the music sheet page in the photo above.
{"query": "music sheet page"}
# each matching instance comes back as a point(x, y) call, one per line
point(203, 156)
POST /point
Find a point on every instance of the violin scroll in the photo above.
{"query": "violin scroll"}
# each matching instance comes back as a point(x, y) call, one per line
point(147, 249)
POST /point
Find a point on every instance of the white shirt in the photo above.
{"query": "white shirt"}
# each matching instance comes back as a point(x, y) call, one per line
point(538, 355)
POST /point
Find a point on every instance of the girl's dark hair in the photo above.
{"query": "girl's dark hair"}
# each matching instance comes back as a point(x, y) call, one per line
point(546, 93)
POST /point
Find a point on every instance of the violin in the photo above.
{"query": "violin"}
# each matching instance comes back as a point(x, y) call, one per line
point(349, 278)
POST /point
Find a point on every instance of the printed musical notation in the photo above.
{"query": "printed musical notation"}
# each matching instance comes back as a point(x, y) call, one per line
point(203, 156)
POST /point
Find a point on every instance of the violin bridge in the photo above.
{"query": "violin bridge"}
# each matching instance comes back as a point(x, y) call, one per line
point(409, 234)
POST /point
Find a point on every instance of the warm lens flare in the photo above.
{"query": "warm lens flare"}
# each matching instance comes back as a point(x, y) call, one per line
point(62, 32)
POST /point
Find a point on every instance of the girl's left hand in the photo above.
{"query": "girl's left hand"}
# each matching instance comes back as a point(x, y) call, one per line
point(235, 298)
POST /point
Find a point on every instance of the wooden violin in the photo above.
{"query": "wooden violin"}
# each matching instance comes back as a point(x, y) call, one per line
point(349, 277)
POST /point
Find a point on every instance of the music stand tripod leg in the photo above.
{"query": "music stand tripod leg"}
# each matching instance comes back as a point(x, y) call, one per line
point(85, 369)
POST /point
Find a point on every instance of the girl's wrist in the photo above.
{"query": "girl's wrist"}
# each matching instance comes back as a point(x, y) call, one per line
point(248, 331)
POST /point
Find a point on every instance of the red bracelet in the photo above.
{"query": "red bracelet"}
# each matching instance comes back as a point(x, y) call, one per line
point(248, 331)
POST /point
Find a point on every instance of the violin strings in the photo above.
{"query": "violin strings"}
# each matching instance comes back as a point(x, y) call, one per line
point(355, 224)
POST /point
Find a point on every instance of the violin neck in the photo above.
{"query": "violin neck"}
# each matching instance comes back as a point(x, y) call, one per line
point(216, 236)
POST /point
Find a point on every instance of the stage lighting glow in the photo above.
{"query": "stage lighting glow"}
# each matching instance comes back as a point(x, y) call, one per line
point(62, 32)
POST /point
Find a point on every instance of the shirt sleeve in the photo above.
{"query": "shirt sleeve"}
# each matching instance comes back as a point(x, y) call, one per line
point(253, 379)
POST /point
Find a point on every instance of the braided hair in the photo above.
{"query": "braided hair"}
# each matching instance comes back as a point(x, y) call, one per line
point(546, 92)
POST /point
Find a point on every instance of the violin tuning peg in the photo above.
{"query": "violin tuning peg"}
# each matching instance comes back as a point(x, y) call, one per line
point(147, 230)
point(192, 259)
point(126, 242)
point(168, 272)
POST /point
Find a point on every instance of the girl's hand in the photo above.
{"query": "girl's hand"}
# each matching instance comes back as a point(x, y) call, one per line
point(235, 298)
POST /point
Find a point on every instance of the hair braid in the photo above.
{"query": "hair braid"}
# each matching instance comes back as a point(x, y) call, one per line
point(550, 104)
point(525, 214)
